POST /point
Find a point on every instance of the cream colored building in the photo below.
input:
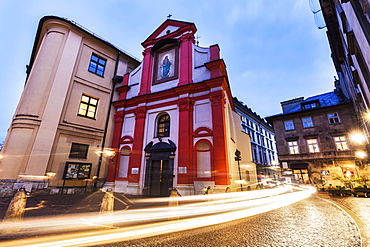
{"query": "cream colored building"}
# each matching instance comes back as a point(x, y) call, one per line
point(63, 122)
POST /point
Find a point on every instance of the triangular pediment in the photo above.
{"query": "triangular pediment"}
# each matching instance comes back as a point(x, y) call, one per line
point(169, 29)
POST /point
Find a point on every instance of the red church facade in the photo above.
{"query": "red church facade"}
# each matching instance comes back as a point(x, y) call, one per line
point(175, 126)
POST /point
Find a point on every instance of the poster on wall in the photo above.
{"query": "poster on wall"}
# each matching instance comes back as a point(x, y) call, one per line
point(74, 170)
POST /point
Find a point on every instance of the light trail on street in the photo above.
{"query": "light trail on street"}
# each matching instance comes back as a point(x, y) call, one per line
point(213, 209)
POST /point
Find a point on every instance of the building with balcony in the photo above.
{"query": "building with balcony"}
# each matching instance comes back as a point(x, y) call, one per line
point(314, 138)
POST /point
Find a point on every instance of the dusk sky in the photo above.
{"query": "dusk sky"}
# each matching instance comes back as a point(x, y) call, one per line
point(272, 49)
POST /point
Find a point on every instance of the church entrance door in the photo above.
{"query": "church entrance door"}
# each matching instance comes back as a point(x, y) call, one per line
point(159, 168)
point(160, 178)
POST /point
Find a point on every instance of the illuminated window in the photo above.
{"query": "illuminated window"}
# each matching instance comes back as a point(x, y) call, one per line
point(341, 143)
point(313, 146)
point(307, 122)
point(163, 127)
point(333, 118)
point(78, 151)
point(289, 125)
point(293, 147)
point(88, 106)
point(97, 65)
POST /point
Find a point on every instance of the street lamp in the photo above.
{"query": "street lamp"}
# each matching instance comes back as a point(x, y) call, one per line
point(358, 137)
point(239, 158)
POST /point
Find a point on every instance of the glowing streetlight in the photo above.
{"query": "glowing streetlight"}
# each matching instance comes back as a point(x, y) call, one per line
point(358, 138)
point(360, 154)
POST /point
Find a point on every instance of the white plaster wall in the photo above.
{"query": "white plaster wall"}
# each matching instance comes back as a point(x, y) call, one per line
point(202, 114)
point(200, 57)
point(164, 86)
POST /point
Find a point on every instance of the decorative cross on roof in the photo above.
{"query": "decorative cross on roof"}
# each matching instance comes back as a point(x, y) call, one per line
point(197, 38)
point(169, 16)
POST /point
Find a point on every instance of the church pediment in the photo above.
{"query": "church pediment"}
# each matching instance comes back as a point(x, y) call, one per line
point(169, 29)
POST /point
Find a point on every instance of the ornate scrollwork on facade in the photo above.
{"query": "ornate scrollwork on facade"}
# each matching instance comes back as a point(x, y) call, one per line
point(218, 99)
point(185, 104)
point(118, 117)
point(140, 113)
point(187, 36)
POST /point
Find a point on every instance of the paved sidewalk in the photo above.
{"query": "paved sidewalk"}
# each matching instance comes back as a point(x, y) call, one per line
point(357, 207)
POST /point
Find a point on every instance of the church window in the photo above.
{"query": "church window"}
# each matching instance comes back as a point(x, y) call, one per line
point(97, 65)
point(163, 126)
point(203, 160)
point(124, 161)
point(78, 151)
point(88, 106)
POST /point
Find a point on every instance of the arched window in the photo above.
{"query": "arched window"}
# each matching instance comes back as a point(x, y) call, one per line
point(124, 161)
point(163, 126)
point(204, 160)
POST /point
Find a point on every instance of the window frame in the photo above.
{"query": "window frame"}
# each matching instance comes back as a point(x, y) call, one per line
point(333, 117)
point(340, 142)
point(88, 105)
point(165, 123)
point(97, 63)
point(313, 146)
point(293, 147)
point(304, 122)
point(286, 124)
point(76, 152)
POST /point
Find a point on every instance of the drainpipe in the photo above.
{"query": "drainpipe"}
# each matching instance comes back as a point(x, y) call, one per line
point(115, 80)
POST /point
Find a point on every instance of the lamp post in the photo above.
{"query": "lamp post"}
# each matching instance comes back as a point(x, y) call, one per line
point(239, 158)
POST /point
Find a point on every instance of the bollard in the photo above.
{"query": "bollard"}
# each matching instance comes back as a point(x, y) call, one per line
point(107, 207)
point(15, 212)
point(173, 202)
point(107, 204)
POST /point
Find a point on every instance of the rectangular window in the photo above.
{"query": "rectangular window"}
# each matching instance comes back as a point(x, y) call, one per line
point(293, 147)
point(313, 146)
point(97, 65)
point(307, 122)
point(309, 105)
point(333, 118)
point(88, 106)
point(289, 125)
point(341, 143)
point(79, 151)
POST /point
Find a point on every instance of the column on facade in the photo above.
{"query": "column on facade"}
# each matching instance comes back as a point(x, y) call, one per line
point(184, 153)
point(137, 146)
point(114, 166)
point(186, 59)
point(221, 169)
point(146, 76)
point(54, 103)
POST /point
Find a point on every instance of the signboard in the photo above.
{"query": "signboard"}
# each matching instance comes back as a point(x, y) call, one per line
point(74, 170)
